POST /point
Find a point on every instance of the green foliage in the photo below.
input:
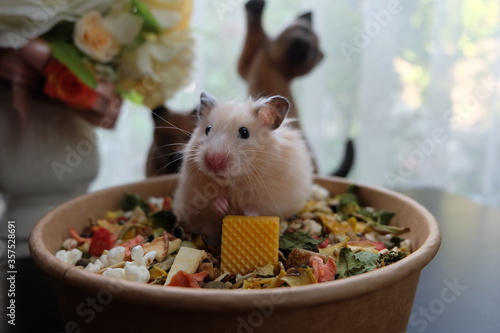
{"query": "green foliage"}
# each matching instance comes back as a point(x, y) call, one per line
point(395, 241)
point(150, 22)
point(383, 216)
point(351, 263)
point(298, 239)
point(392, 257)
point(348, 202)
point(164, 219)
point(130, 201)
point(68, 54)
point(387, 229)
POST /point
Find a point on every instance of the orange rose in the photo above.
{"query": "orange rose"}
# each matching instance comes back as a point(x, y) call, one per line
point(62, 84)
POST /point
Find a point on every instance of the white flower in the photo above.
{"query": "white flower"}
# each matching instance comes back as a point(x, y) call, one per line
point(123, 26)
point(149, 258)
point(92, 37)
point(104, 260)
point(138, 257)
point(312, 227)
point(135, 270)
point(158, 67)
point(157, 202)
point(23, 21)
point(166, 12)
point(117, 273)
point(406, 244)
point(136, 273)
point(116, 255)
point(113, 256)
point(319, 192)
point(70, 257)
point(94, 267)
point(70, 244)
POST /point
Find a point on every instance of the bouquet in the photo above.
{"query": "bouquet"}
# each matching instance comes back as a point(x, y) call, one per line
point(90, 54)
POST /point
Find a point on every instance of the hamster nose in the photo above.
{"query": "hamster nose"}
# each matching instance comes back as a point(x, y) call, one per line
point(216, 162)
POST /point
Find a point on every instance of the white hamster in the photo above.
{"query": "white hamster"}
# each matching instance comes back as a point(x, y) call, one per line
point(242, 159)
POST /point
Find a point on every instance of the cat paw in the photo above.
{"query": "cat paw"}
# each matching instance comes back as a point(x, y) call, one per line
point(255, 7)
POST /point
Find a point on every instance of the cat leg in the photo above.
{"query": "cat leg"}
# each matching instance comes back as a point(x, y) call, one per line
point(255, 36)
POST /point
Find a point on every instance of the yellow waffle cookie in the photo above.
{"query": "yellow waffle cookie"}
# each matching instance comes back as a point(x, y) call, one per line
point(249, 242)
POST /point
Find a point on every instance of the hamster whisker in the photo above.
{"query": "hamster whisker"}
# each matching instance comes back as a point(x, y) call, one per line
point(257, 176)
point(266, 161)
point(171, 126)
point(189, 134)
point(165, 155)
point(168, 164)
point(169, 145)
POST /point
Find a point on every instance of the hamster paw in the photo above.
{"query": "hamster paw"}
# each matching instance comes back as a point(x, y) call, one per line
point(221, 205)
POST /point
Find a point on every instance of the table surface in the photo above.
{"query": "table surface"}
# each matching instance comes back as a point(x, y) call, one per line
point(459, 291)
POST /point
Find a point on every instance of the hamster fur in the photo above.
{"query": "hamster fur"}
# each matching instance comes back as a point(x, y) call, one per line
point(242, 159)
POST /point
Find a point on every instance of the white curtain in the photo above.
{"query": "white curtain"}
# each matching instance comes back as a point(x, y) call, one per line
point(414, 83)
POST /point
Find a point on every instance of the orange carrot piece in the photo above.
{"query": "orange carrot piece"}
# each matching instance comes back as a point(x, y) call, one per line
point(167, 203)
point(77, 237)
point(183, 279)
point(323, 272)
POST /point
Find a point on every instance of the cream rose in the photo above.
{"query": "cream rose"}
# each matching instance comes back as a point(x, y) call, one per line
point(94, 39)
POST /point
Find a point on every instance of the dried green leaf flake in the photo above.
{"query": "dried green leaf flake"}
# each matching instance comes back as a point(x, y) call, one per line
point(298, 240)
point(383, 216)
point(130, 201)
point(388, 229)
point(348, 202)
point(351, 263)
point(348, 264)
point(164, 219)
point(392, 257)
point(368, 259)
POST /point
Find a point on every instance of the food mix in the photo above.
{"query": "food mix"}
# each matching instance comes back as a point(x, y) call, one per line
point(330, 238)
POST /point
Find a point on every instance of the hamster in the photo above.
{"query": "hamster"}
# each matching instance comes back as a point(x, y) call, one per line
point(242, 159)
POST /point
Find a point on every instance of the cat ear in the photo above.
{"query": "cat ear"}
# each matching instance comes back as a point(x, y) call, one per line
point(273, 111)
point(307, 17)
point(207, 103)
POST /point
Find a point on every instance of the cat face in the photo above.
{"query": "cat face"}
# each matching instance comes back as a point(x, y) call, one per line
point(297, 47)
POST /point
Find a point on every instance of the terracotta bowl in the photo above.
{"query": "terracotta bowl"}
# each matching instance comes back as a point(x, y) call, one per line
point(377, 301)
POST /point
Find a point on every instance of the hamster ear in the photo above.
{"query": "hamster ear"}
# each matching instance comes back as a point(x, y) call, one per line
point(207, 103)
point(272, 113)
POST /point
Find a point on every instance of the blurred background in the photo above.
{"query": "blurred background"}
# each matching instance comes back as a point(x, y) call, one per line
point(414, 83)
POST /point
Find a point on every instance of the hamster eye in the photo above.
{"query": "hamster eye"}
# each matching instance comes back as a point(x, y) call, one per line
point(243, 133)
point(207, 130)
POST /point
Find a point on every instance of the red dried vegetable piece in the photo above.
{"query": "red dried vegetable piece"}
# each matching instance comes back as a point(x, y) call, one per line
point(128, 245)
point(77, 237)
point(121, 220)
point(167, 203)
point(323, 272)
point(183, 279)
point(324, 243)
point(102, 240)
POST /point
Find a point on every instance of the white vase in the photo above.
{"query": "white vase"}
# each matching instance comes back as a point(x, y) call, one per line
point(51, 159)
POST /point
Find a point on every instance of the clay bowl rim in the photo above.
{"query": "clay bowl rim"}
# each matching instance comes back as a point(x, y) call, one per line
point(216, 300)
